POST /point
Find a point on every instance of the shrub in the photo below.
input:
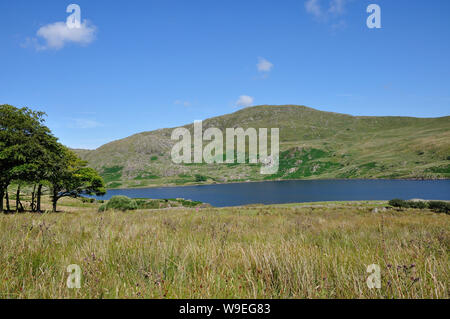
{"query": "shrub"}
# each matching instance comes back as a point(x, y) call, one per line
point(417, 204)
point(200, 178)
point(436, 206)
point(114, 185)
point(439, 206)
point(120, 202)
point(147, 204)
point(189, 203)
point(396, 202)
point(87, 200)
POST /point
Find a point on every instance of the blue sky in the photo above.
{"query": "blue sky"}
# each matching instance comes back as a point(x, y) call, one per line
point(141, 65)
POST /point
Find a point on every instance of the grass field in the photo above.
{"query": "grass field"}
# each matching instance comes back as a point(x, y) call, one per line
point(318, 250)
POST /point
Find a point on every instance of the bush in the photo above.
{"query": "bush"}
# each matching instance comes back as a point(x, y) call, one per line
point(417, 204)
point(189, 203)
point(396, 202)
point(87, 200)
point(200, 178)
point(147, 204)
point(120, 202)
point(436, 206)
point(439, 206)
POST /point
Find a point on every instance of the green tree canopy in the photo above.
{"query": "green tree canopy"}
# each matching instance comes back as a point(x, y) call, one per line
point(29, 152)
point(24, 141)
point(70, 177)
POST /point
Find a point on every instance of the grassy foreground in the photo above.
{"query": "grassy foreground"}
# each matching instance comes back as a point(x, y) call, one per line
point(318, 250)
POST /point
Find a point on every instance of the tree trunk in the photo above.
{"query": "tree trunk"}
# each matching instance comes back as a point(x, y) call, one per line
point(7, 200)
point(2, 194)
point(32, 206)
point(19, 206)
point(38, 201)
point(17, 198)
point(54, 200)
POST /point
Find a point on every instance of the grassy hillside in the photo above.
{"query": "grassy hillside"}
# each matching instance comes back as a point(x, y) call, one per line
point(313, 144)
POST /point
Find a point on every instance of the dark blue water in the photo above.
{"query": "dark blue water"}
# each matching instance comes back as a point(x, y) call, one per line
point(295, 191)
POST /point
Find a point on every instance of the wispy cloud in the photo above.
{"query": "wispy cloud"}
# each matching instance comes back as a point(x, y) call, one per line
point(184, 103)
point(327, 11)
point(264, 65)
point(337, 6)
point(56, 35)
point(84, 123)
point(244, 101)
point(313, 7)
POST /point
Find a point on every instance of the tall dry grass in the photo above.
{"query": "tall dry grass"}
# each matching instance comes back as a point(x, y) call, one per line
point(304, 251)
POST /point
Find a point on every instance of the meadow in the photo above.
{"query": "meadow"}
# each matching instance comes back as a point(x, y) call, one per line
point(309, 250)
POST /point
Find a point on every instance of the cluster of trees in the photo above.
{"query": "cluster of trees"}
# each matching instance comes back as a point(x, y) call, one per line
point(30, 155)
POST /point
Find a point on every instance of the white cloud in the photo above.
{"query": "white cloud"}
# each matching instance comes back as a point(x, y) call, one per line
point(244, 100)
point(84, 123)
point(184, 103)
point(313, 7)
point(57, 35)
point(335, 8)
point(263, 65)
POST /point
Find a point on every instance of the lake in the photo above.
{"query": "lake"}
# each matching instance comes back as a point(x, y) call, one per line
point(277, 192)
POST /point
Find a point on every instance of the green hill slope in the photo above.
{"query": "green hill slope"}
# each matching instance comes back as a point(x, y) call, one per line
point(313, 144)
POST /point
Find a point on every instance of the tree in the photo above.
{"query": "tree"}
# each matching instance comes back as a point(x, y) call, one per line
point(26, 147)
point(40, 164)
point(30, 153)
point(69, 177)
point(20, 133)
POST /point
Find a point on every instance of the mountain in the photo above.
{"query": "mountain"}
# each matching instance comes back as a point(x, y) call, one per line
point(313, 144)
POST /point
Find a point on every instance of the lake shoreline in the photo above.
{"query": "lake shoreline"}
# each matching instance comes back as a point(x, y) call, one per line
point(280, 180)
point(291, 191)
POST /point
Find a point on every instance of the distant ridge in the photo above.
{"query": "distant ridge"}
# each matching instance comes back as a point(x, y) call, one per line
point(313, 144)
